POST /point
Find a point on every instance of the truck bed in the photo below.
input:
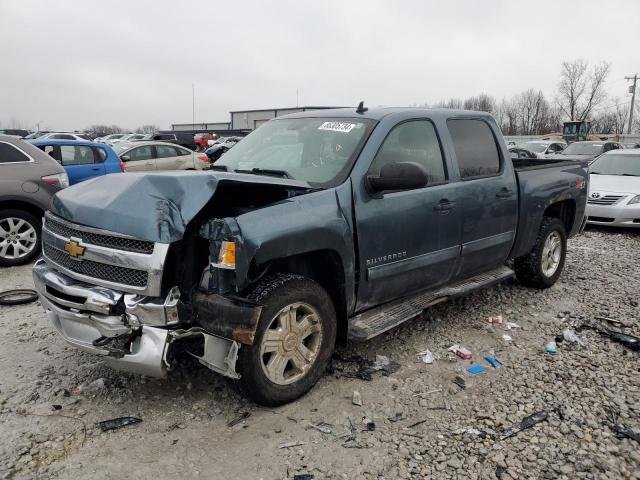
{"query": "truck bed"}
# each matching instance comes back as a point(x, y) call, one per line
point(523, 164)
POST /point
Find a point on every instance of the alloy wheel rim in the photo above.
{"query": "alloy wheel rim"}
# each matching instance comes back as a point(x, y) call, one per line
point(18, 238)
point(291, 343)
point(551, 254)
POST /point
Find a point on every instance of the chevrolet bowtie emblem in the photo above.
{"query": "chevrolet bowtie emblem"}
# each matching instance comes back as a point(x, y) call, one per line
point(74, 249)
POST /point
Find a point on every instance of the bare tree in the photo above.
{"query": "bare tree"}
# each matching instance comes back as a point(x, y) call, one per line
point(102, 130)
point(581, 89)
point(482, 103)
point(147, 129)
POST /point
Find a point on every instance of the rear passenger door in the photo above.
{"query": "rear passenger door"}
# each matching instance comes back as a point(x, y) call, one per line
point(489, 196)
point(167, 158)
point(139, 159)
point(80, 163)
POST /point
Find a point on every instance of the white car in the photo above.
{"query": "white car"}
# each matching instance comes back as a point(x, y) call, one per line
point(64, 136)
point(154, 156)
point(130, 137)
point(544, 148)
point(110, 138)
point(614, 189)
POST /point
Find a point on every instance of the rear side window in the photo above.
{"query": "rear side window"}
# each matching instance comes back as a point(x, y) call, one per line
point(183, 151)
point(100, 154)
point(10, 154)
point(165, 151)
point(76, 155)
point(141, 153)
point(475, 147)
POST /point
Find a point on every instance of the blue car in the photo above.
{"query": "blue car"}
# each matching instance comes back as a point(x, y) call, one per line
point(81, 160)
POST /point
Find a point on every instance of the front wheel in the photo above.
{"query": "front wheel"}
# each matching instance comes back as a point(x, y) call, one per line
point(542, 267)
point(294, 340)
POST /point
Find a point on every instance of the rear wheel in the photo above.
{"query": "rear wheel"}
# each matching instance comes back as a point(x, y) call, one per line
point(542, 267)
point(294, 340)
point(19, 237)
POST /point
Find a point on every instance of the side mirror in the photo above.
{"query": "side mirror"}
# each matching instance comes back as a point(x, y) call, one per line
point(398, 176)
point(125, 158)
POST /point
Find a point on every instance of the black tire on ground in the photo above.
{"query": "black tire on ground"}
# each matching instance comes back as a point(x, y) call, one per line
point(275, 293)
point(18, 297)
point(36, 223)
point(529, 269)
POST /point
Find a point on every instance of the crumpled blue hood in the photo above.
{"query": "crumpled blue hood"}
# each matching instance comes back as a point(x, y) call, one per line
point(150, 206)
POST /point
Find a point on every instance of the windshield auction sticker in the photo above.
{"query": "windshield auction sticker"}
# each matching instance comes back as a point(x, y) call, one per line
point(343, 127)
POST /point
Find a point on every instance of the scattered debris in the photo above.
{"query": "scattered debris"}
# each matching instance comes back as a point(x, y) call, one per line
point(303, 476)
point(242, 416)
point(621, 431)
point(370, 426)
point(321, 427)
point(56, 407)
point(511, 326)
point(476, 369)
point(353, 443)
point(426, 356)
point(116, 423)
point(460, 351)
point(496, 320)
point(571, 337)
point(629, 341)
point(551, 347)
point(506, 338)
point(366, 368)
point(613, 321)
point(428, 392)
point(395, 418)
point(292, 444)
point(461, 382)
point(415, 424)
point(18, 297)
point(526, 422)
point(494, 362)
point(356, 399)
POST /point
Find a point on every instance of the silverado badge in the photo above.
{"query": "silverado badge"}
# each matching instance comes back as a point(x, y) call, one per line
point(73, 248)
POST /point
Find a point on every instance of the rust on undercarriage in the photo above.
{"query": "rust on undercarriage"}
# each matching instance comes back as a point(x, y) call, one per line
point(226, 316)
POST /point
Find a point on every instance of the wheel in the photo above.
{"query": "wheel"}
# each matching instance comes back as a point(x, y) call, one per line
point(543, 265)
point(294, 340)
point(19, 237)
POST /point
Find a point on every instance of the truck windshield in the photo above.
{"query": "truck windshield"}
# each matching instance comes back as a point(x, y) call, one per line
point(580, 148)
point(318, 151)
point(613, 164)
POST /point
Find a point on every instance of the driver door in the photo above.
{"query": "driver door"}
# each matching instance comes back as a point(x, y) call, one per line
point(408, 240)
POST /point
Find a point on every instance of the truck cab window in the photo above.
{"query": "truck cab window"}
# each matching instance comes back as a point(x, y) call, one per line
point(475, 147)
point(414, 141)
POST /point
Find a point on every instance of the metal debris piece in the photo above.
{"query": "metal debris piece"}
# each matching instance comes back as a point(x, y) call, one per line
point(461, 382)
point(116, 423)
point(321, 427)
point(238, 419)
point(395, 418)
point(460, 351)
point(304, 476)
point(56, 407)
point(476, 369)
point(525, 423)
point(292, 444)
point(494, 362)
point(613, 321)
point(426, 356)
point(356, 399)
point(415, 424)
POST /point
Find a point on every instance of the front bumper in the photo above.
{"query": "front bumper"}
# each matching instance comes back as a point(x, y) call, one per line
point(137, 339)
point(614, 215)
point(83, 315)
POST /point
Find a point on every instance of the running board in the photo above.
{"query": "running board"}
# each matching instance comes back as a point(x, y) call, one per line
point(378, 320)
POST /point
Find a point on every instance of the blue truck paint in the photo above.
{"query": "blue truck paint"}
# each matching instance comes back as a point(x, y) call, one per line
point(83, 170)
point(387, 246)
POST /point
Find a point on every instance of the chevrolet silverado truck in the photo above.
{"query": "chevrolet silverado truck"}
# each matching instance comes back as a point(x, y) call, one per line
point(318, 227)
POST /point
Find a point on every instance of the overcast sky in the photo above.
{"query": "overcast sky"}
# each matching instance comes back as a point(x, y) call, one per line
point(70, 64)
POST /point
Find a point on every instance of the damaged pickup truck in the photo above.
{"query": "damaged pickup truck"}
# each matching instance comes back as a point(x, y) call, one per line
point(318, 227)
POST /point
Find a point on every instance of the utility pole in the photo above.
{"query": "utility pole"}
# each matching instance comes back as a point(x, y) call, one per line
point(193, 107)
point(633, 100)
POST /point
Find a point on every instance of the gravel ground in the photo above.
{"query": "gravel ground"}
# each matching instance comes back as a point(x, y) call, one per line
point(413, 423)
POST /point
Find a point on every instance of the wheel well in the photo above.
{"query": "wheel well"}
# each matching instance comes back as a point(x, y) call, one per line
point(324, 267)
point(564, 210)
point(19, 205)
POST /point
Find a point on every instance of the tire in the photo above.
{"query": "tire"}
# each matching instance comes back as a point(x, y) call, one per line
point(19, 229)
point(535, 269)
point(18, 297)
point(274, 349)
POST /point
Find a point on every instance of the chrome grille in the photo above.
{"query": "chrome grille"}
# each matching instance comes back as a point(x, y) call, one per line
point(117, 243)
point(102, 271)
point(605, 200)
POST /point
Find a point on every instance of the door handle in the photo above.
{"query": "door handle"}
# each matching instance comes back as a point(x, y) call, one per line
point(444, 205)
point(504, 193)
point(96, 169)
